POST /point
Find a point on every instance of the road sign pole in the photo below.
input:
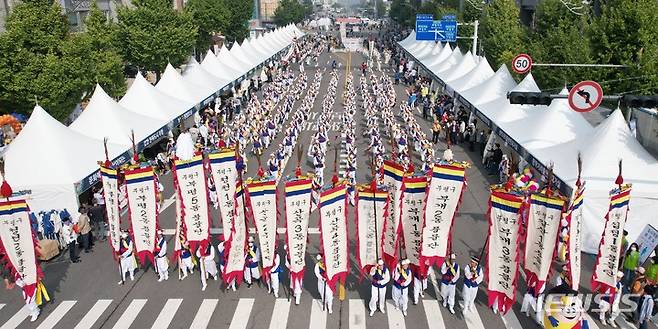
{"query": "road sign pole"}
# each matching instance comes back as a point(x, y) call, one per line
point(475, 37)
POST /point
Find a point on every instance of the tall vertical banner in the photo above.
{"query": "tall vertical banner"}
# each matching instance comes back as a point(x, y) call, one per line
point(141, 192)
point(191, 186)
point(607, 260)
point(333, 233)
point(575, 241)
point(298, 211)
point(237, 243)
point(503, 252)
point(262, 205)
point(393, 173)
point(411, 216)
point(225, 176)
point(544, 218)
point(18, 244)
point(371, 211)
point(444, 196)
point(111, 196)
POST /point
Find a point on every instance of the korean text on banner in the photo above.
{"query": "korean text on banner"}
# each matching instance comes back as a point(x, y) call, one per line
point(191, 185)
point(575, 240)
point(412, 207)
point(503, 251)
point(544, 218)
point(141, 193)
point(333, 233)
point(225, 175)
point(262, 203)
point(236, 245)
point(393, 173)
point(371, 211)
point(111, 196)
point(298, 211)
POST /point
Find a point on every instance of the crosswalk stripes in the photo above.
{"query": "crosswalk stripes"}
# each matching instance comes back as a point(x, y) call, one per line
point(357, 312)
point(1, 306)
point(92, 316)
point(203, 315)
point(433, 314)
point(511, 321)
point(57, 314)
point(16, 319)
point(167, 314)
point(280, 314)
point(395, 317)
point(318, 315)
point(473, 320)
point(241, 315)
point(623, 324)
point(130, 314)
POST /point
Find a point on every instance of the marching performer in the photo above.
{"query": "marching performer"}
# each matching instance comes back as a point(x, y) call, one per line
point(222, 262)
point(323, 285)
point(420, 284)
point(208, 259)
point(606, 304)
point(449, 277)
point(161, 261)
point(187, 263)
point(251, 269)
point(379, 276)
point(563, 277)
point(402, 278)
point(127, 259)
point(472, 279)
point(533, 299)
point(30, 301)
point(295, 285)
point(275, 271)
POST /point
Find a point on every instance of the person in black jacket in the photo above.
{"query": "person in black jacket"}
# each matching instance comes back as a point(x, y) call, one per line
point(496, 158)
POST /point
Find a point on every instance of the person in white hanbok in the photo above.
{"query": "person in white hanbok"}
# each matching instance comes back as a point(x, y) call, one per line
point(161, 261)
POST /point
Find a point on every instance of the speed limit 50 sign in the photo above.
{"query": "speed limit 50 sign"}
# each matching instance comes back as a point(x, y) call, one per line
point(522, 63)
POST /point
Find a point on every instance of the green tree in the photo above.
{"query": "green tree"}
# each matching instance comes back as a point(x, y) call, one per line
point(471, 14)
point(211, 17)
point(238, 24)
point(381, 8)
point(501, 32)
point(625, 34)
point(32, 64)
point(558, 38)
point(289, 11)
point(153, 34)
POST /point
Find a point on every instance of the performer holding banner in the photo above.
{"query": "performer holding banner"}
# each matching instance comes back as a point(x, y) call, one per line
point(575, 240)
point(298, 211)
point(263, 209)
point(17, 243)
point(503, 250)
point(191, 186)
point(371, 212)
point(443, 199)
point(225, 176)
point(141, 193)
point(237, 244)
point(111, 196)
point(333, 234)
point(411, 214)
point(604, 277)
point(393, 173)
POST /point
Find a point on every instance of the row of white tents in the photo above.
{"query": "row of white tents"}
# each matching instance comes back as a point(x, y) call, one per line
point(52, 163)
point(554, 134)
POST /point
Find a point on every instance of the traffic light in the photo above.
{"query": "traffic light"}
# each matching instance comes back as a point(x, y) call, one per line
point(533, 98)
point(635, 101)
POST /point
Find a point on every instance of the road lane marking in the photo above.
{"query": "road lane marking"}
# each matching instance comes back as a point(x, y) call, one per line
point(242, 312)
point(318, 316)
point(204, 314)
point(167, 314)
point(130, 314)
point(17, 319)
point(623, 324)
point(94, 313)
point(395, 317)
point(57, 314)
point(357, 313)
point(280, 314)
point(511, 321)
point(433, 314)
point(1, 306)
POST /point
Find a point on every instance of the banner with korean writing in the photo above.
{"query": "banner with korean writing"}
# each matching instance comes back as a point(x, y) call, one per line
point(575, 240)
point(237, 244)
point(262, 205)
point(503, 251)
point(411, 215)
point(111, 196)
point(298, 210)
point(191, 186)
point(225, 175)
point(371, 211)
point(544, 218)
point(17, 244)
point(179, 234)
point(604, 276)
point(333, 233)
point(141, 193)
point(444, 196)
point(393, 173)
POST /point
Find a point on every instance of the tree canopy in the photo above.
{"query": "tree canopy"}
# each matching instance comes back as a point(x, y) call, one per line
point(289, 11)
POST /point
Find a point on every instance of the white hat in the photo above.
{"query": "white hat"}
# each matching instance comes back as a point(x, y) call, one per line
point(251, 239)
point(318, 257)
point(380, 262)
point(453, 256)
point(124, 234)
point(406, 262)
point(620, 274)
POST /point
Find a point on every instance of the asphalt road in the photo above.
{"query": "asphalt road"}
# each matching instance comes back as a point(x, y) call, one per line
point(86, 295)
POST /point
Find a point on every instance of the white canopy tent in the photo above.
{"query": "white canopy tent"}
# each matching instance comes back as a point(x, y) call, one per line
point(225, 56)
point(194, 73)
point(436, 60)
point(172, 83)
point(143, 98)
point(467, 64)
point(408, 40)
point(435, 51)
point(494, 87)
point(424, 50)
point(46, 159)
point(601, 149)
point(105, 118)
point(454, 58)
point(211, 64)
point(499, 109)
point(475, 77)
